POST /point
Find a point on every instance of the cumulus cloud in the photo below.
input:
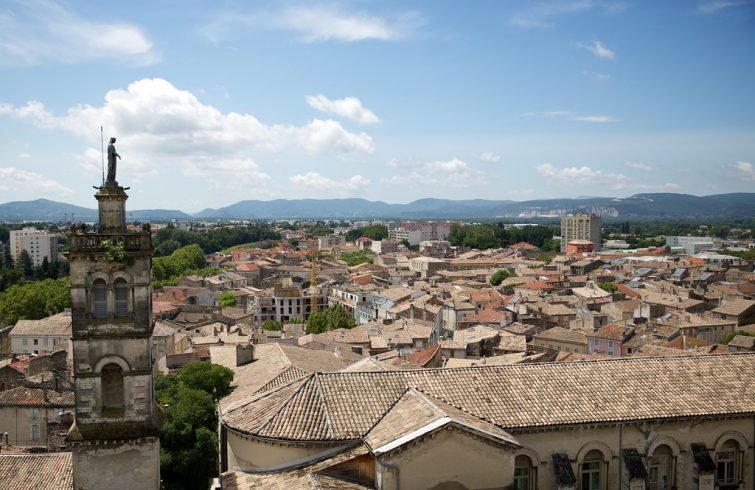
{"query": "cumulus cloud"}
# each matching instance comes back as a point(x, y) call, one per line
point(599, 49)
point(543, 14)
point(639, 166)
point(442, 173)
point(349, 107)
point(488, 156)
point(44, 31)
point(746, 170)
point(319, 23)
point(316, 184)
point(583, 175)
point(15, 179)
point(159, 126)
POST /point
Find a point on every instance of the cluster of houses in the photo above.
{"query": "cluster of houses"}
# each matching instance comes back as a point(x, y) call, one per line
point(363, 408)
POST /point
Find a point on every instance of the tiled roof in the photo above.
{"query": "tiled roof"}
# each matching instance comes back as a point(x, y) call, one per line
point(53, 326)
point(736, 307)
point(417, 414)
point(345, 406)
point(51, 471)
point(744, 341)
point(562, 334)
point(33, 397)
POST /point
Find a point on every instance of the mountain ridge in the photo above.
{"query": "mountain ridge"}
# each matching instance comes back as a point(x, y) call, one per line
point(644, 205)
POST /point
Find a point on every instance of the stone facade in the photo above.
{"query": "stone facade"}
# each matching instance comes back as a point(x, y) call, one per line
point(115, 434)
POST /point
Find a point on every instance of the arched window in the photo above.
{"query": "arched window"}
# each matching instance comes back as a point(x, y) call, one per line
point(121, 298)
point(99, 300)
point(727, 464)
point(524, 473)
point(661, 468)
point(591, 472)
point(112, 389)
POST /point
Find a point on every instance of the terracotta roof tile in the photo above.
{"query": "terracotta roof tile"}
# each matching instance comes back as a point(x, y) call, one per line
point(52, 471)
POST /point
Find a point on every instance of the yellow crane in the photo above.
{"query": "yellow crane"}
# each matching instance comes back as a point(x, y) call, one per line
point(314, 255)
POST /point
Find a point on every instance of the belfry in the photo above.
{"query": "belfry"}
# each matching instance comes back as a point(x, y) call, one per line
point(115, 435)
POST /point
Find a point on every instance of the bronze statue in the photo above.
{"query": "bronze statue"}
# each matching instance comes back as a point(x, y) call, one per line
point(111, 159)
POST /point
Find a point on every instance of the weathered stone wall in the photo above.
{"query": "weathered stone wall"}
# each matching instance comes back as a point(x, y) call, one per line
point(118, 465)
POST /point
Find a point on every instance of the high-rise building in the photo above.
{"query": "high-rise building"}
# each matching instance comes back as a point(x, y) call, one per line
point(580, 227)
point(115, 436)
point(37, 243)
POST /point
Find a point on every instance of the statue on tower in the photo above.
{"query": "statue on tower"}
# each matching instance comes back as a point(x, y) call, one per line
point(111, 160)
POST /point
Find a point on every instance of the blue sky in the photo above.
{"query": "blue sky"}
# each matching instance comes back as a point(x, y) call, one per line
point(215, 102)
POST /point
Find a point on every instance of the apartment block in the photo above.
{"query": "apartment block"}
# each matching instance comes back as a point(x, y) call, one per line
point(37, 243)
point(580, 227)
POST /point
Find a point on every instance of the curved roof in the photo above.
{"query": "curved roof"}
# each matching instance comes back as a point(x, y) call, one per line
point(346, 405)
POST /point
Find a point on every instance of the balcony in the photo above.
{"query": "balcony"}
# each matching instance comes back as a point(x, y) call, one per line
point(99, 242)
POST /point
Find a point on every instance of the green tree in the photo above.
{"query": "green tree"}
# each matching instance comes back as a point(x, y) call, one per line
point(271, 325)
point(227, 299)
point(729, 336)
point(34, 300)
point(26, 263)
point(499, 277)
point(608, 286)
point(333, 318)
point(213, 379)
point(358, 257)
point(296, 320)
point(8, 259)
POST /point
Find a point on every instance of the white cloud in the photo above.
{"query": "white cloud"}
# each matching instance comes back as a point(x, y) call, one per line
point(599, 49)
point(15, 179)
point(349, 107)
point(162, 129)
point(595, 75)
point(38, 31)
point(319, 23)
point(544, 13)
point(316, 184)
point(488, 156)
point(746, 169)
point(24, 155)
point(715, 5)
point(572, 116)
point(582, 176)
point(443, 173)
point(596, 119)
point(639, 166)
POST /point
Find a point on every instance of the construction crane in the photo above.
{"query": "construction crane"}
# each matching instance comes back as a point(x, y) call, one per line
point(314, 255)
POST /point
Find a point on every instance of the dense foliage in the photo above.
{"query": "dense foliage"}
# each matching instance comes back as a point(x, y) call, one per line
point(34, 300)
point(331, 319)
point(376, 232)
point(227, 299)
point(16, 272)
point(271, 325)
point(184, 261)
point(169, 239)
point(358, 257)
point(499, 276)
point(608, 286)
point(485, 236)
point(189, 441)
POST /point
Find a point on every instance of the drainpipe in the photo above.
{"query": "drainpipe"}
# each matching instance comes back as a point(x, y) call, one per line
point(395, 469)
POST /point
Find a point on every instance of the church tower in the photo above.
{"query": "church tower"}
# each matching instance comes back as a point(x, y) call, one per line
point(115, 435)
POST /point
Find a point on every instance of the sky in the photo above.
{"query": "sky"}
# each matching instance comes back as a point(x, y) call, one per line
point(217, 102)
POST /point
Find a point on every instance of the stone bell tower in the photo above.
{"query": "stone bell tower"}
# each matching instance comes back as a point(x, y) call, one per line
point(114, 438)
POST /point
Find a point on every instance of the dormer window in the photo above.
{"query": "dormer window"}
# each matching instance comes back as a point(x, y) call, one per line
point(99, 302)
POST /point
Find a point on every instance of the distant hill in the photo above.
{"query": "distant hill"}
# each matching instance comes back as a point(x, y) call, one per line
point(658, 205)
point(46, 210)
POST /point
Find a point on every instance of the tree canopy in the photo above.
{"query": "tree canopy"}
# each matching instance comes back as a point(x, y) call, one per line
point(376, 232)
point(34, 300)
point(227, 299)
point(211, 240)
point(183, 261)
point(358, 257)
point(331, 319)
point(271, 325)
point(499, 276)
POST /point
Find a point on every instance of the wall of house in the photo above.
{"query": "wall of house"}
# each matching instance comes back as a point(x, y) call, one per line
point(247, 453)
point(18, 423)
point(27, 344)
point(560, 345)
point(644, 437)
point(121, 465)
point(476, 463)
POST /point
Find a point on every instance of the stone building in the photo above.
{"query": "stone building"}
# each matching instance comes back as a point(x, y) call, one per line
point(640, 423)
point(114, 438)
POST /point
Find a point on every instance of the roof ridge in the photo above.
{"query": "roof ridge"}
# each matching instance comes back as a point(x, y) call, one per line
point(323, 406)
point(283, 405)
point(386, 412)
